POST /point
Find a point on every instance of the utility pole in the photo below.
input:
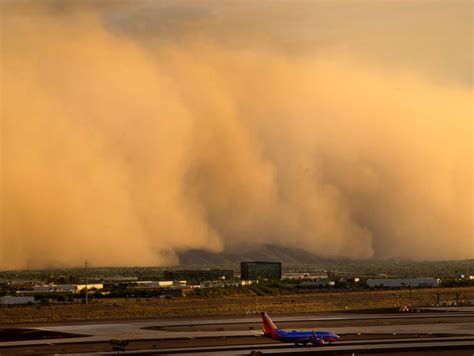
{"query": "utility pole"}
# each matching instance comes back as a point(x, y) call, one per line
point(87, 289)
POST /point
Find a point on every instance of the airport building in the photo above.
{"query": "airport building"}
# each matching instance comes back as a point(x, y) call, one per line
point(403, 282)
point(199, 275)
point(252, 271)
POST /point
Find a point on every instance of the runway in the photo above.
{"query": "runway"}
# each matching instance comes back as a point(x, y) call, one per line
point(407, 333)
point(433, 345)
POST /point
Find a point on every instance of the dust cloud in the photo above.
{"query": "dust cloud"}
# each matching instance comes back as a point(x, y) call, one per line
point(132, 131)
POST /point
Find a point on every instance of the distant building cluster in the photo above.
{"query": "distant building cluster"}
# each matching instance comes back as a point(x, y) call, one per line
point(304, 275)
point(66, 288)
point(176, 283)
point(199, 275)
point(71, 279)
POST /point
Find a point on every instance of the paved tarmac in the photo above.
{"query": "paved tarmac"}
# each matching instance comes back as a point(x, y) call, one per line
point(455, 348)
point(455, 324)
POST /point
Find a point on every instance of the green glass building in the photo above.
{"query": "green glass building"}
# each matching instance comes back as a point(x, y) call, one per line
point(252, 271)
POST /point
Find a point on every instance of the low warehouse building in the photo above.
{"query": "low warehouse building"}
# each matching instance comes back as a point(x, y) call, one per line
point(11, 300)
point(318, 283)
point(403, 282)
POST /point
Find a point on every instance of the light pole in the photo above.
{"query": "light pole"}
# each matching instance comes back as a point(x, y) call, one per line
point(87, 296)
point(409, 276)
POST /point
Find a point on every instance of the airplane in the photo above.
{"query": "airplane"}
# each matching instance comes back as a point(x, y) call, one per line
point(302, 337)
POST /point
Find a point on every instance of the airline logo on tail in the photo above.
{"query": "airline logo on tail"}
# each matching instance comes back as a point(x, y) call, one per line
point(269, 328)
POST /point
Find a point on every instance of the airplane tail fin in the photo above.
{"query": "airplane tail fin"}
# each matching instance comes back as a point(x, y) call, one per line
point(269, 328)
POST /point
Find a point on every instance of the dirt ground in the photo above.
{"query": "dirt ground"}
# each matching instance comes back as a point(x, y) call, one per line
point(319, 301)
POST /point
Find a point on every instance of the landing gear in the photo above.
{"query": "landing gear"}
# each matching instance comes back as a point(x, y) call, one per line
point(302, 343)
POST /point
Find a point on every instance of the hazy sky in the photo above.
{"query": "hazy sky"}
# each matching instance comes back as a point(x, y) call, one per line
point(133, 130)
